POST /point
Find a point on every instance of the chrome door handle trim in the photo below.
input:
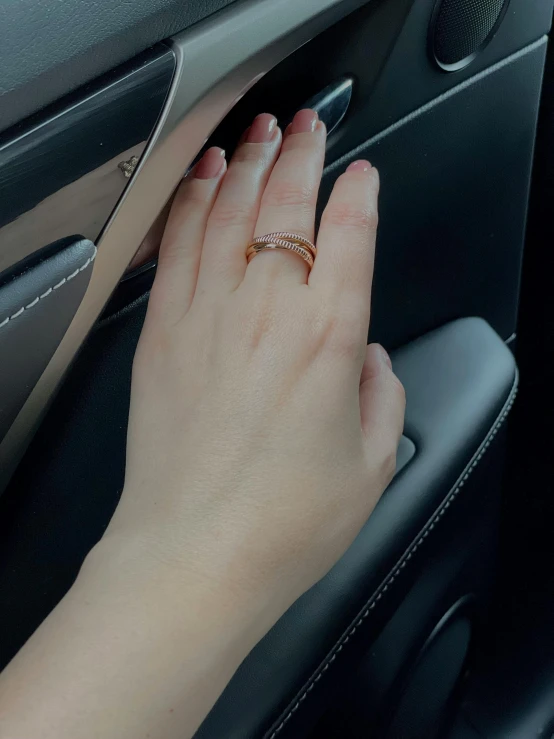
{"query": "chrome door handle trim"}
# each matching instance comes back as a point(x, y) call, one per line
point(217, 62)
point(332, 103)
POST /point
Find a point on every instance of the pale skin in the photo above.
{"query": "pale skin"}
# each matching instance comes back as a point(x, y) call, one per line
point(262, 433)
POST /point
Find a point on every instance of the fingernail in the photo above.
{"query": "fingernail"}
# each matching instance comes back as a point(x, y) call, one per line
point(262, 129)
point(211, 164)
point(361, 165)
point(305, 121)
point(383, 355)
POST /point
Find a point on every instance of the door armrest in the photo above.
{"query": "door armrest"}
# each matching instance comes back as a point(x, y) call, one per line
point(460, 383)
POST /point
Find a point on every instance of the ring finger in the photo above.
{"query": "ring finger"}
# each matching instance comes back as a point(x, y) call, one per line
point(290, 197)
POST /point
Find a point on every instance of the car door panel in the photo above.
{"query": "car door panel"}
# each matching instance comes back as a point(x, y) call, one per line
point(50, 49)
point(206, 87)
point(396, 614)
point(384, 46)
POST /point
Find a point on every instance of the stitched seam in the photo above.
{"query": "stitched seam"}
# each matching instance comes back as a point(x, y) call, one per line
point(402, 562)
point(50, 290)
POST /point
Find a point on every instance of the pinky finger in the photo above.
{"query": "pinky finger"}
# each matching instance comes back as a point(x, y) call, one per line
point(382, 407)
point(181, 245)
point(346, 239)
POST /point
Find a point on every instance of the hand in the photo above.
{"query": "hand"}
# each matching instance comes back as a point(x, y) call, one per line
point(262, 433)
point(262, 429)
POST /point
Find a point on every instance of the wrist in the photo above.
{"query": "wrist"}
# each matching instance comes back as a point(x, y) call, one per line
point(134, 644)
point(126, 572)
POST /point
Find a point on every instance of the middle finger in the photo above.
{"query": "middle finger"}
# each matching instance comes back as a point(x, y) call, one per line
point(290, 197)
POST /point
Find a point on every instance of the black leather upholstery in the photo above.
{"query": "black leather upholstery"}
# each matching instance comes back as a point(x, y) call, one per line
point(405, 452)
point(460, 383)
point(36, 307)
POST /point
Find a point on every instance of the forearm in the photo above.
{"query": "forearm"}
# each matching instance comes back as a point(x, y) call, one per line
point(128, 654)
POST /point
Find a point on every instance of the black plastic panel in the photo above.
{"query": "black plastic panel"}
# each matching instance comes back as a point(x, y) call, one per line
point(455, 183)
point(48, 48)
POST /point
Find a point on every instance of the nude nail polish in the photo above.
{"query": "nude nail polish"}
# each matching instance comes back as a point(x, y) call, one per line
point(361, 165)
point(305, 121)
point(262, 129)
point(211, 164)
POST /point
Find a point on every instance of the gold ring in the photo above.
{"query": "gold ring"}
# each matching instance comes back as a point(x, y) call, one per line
point(256, 248)
point(287, 236)
point(283, 240)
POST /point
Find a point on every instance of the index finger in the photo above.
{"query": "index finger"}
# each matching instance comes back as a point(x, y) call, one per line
point(346, 239)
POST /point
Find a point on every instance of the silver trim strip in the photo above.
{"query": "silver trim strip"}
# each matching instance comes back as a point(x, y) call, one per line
point(217, 62)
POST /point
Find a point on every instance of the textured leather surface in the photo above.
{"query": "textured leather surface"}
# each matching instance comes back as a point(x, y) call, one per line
point(36, 307)
point(458, 380)
point(50, 48)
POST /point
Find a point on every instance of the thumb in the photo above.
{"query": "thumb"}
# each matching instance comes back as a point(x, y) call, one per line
point(382, 406)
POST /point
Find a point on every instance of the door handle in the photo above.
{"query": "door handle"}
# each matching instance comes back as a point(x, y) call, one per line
point(332, 103)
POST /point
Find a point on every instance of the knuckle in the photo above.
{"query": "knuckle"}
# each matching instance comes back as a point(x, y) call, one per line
point(348, 215)
point(231, 214)
point(248, 153)
point(288, 192)
point(399, 389)
point(255, 327)
point(300, 145)
point(191, 192)
point(342, 336)
point(388, 466)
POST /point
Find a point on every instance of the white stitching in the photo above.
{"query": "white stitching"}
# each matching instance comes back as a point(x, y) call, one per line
point(377, 595)
point(51, 289)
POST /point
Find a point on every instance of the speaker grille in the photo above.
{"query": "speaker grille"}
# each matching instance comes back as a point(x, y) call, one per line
point(462, 27)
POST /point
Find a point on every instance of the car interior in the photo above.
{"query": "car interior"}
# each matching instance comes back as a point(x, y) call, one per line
point(437, 623)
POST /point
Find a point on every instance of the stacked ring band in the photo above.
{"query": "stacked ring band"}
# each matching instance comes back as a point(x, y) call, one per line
point(283, 240)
